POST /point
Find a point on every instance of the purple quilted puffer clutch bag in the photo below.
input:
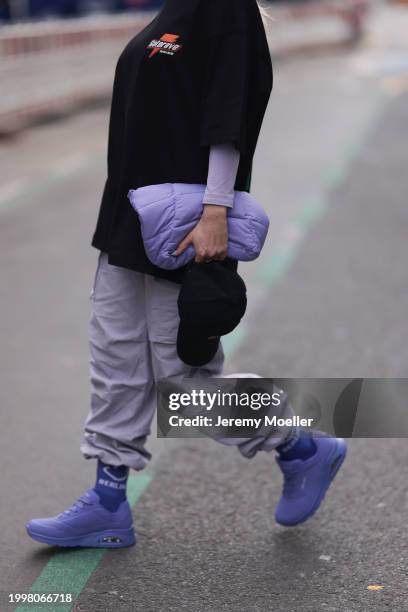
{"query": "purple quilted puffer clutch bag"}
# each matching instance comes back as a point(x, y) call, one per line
point(169, 211)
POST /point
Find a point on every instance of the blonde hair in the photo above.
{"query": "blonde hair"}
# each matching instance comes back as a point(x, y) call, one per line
point(265, 15)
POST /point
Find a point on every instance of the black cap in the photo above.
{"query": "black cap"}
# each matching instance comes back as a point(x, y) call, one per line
point(211, 303)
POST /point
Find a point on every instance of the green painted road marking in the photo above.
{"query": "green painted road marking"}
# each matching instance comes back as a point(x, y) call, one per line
point(310, 213)
point(69, 570)
point(231, 342)
point(273, 266)
point(271, 269)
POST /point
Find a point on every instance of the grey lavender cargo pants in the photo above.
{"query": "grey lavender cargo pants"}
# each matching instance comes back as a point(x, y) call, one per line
point(133, 332)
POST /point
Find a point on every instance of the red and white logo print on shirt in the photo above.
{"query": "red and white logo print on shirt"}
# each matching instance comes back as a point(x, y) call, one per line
point(166, 44)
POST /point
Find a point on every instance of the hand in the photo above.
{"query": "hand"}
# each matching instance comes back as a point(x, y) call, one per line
point(210, 235)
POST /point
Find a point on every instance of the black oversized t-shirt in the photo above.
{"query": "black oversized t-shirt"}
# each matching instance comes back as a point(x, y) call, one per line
point(199, 74)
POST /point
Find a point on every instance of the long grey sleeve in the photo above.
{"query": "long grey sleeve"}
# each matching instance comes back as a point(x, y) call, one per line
point(222, 174)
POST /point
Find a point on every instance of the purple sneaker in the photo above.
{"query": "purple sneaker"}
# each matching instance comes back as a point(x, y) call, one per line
point(88, 524)
point(306, 482)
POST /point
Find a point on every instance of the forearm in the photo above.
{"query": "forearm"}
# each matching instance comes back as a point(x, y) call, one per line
point(210, 236)
point(222, 174)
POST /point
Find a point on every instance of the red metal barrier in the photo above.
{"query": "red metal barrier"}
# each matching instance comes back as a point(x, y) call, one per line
point(44, 59)
point(28, 38)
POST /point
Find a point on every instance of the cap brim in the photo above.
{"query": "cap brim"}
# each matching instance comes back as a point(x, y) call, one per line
point(194, 349)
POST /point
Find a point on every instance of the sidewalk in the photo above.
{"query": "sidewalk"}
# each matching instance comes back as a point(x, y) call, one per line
point(53, 67)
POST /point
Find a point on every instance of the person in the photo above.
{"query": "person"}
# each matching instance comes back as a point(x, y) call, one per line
point(189, 97)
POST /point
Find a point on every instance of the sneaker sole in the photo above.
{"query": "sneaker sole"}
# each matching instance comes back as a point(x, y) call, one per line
point(336, 459)
point(118, 538)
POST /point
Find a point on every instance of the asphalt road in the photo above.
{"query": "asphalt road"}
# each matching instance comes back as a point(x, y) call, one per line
point(328, 298)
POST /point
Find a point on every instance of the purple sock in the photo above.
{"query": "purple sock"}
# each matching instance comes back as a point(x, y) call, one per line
point(298, 447)
point(111, 485)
